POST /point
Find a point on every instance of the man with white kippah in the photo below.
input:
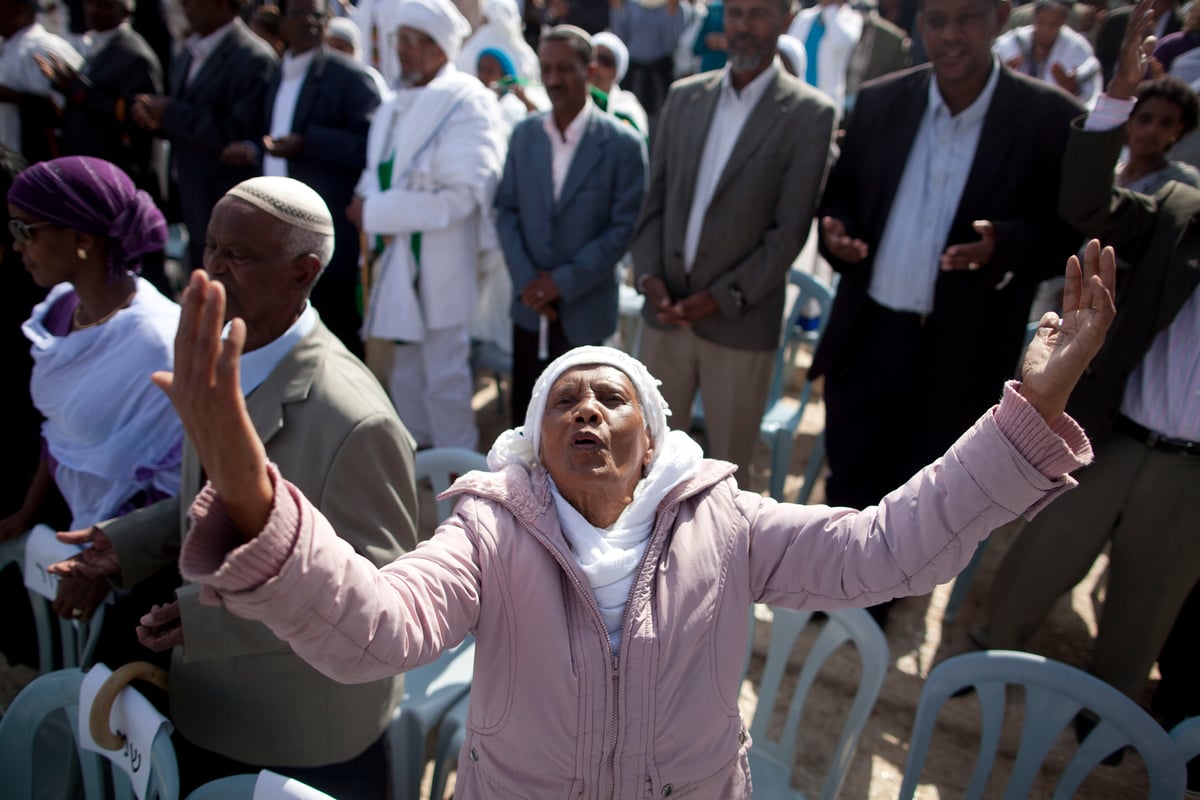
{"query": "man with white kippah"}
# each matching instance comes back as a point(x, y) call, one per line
point(240, 699)
point(434, 156)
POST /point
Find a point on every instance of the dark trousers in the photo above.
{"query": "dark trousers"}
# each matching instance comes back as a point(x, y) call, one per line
point(364, 776)
point(527, 366)
point(335, 297)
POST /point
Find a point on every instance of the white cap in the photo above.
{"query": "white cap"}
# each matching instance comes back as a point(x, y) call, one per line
point(286, 199)
point(437, 19)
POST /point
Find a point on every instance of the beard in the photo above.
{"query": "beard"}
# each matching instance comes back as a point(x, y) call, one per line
point(746, 58)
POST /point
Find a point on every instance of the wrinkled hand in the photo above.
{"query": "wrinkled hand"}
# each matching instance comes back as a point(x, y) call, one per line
point(659, 299)
point(540, 294)
point(148, 110)
point(843, 246)
point(1064, 78)
point(58, 72)
point(1131, 63)
point(289, 146)
point(239, 154)
point(206, 392)
point(695, 307)
point(161, 628)
point(97, 561)
point(972, 255)
point(1061, 350)
point(354, 212)
point(78, 598)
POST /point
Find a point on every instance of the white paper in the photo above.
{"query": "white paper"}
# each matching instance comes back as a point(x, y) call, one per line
point(270, 786)
point(133, 717)
point(42, 549)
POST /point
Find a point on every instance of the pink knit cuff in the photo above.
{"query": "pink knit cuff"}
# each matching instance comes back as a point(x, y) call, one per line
point(215, 554)
point(1053, 449)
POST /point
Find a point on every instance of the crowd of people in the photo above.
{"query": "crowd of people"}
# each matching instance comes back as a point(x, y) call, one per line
point(368, 191)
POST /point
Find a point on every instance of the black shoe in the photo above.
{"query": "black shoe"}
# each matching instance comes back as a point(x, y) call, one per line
point(1084, 724)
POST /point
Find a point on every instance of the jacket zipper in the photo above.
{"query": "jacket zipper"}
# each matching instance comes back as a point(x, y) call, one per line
point(672, 500)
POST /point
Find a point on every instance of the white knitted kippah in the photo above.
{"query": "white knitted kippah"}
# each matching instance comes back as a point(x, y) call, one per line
point(286, 199)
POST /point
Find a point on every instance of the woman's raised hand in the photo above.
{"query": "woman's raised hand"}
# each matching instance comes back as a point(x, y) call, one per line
point(206, 392)
point(1064, 346)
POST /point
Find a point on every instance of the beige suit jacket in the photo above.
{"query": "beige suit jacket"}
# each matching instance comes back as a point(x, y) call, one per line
point(759, 215)
point(235, 688)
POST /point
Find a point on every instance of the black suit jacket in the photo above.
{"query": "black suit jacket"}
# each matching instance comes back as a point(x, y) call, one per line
point(96, 120)
point(1159, 235)
point(223, 103)
point(1112, 33)
point(333, 114)
point(978, 320)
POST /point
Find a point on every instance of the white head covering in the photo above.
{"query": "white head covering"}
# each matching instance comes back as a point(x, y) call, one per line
point(504, 14)
point(607, 556)
point(286, 199)
point(437, 19)
point(343, 28)
point(613, 43)
point(792, 51)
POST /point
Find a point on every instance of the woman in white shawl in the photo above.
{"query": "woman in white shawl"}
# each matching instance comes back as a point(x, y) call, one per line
point(111, 441)
point(612, 62)
point(501, 30)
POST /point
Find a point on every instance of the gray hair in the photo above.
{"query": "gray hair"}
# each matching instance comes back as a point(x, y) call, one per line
point(302, 242)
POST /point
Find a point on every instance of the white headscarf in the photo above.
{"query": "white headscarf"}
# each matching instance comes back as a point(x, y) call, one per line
point(608, 556)
point(613, 43)
point(437, 19)
point(792, 50)
point(344, 28)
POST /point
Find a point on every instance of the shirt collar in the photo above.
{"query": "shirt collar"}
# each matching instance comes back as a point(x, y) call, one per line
point(753, 90)
point(200, 46)
point(979, 106)
point(294, 66)
point(575, 127)
point(257, 365)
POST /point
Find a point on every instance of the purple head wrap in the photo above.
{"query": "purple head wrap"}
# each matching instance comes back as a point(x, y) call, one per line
point(93, 196)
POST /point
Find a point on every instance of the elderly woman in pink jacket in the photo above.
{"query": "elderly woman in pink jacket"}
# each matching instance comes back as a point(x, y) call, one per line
point(604, 566)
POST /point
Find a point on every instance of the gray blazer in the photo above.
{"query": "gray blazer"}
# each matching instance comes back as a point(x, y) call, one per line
point(759, 216)
point(580, 237)
point(235, 688)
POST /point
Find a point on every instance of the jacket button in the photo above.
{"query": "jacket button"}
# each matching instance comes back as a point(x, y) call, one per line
point(667, 789)
point(474, 755)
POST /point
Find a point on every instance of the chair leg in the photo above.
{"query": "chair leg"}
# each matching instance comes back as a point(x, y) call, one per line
point(781, 457)
point(406, 743)
point(816, 461)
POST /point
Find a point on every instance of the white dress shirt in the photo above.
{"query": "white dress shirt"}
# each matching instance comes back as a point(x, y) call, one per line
point(257, 365)
point(292, 72)
point(201, 47)
point(733, 108)
point(563, 144)
point(910, 250)
point(843, 29)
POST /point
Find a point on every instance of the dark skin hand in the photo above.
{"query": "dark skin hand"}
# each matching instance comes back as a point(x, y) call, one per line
point(97, 561)
point(354, 212)
point(239, 154)
point(685, 311)
point(58, 72)
point(288, 146)
point(541, 294)
point(149, 110)
point(161, 628)
point(78, 598)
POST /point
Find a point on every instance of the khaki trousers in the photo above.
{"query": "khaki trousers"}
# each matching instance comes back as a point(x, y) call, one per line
point(733, 386)
point(1144, 504)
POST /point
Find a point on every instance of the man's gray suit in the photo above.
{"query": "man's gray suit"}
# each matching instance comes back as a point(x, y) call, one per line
point(578, 238)
point(222, 103)
point(235, 688)
point(756, 223)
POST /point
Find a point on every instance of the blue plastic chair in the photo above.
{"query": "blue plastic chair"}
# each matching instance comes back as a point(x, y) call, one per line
point(429, 692)
point(59, 691)
point(442, 465)
point(629, 307)
point(1054, 694)
point(1187, 735)
point(452, 734)
point(771, 758)
point(489, 356)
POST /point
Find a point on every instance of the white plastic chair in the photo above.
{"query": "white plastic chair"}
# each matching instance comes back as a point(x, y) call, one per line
point(33, 707)
point(242, 787)
point(1054, 694)
point(429, 692)
point(771, 758)
point(442, 466)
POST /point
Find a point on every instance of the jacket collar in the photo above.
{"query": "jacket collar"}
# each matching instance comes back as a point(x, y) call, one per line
point(290, 382)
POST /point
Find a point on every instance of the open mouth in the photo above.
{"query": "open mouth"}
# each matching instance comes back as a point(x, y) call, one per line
point(585, 441)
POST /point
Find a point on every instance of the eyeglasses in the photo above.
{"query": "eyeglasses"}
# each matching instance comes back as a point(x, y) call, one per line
point(605, 60)
point(22, 232)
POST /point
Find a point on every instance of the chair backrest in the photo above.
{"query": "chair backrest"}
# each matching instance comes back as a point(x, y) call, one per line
point(1054, 694)
point(59, 691)
point(1187, 735)
point(775, 755)
point(814, 297)
point(442, 465)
